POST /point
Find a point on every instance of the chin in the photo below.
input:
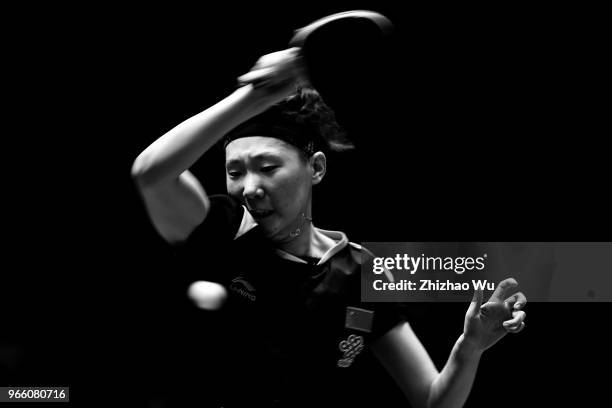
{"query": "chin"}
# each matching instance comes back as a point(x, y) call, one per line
point(276, 234)
point(270, 230)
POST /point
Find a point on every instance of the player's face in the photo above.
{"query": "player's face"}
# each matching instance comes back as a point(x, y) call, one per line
point(272, 179)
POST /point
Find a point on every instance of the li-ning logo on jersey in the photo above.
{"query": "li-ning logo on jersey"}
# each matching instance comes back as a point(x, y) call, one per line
point(350, 348)
point(243, 288)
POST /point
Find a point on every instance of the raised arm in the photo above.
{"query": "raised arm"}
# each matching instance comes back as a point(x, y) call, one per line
point(173, 197)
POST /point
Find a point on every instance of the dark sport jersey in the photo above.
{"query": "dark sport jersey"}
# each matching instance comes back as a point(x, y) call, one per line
point(294, 331)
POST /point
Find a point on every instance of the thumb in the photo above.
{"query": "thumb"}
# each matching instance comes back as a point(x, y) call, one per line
point(476, 302)
point(255, 76)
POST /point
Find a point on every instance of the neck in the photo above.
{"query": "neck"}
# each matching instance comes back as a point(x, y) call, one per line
point(310, 243)
point(300, 238)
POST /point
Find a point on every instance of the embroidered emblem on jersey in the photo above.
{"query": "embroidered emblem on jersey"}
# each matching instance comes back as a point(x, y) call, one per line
point(359, 319)
point(350, 348)
point(243, 288)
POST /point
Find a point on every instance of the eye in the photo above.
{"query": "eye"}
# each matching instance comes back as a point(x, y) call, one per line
point(233, 173)
point(268, 169)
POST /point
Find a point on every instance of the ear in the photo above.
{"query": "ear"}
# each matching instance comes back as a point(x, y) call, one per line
point(318, 163)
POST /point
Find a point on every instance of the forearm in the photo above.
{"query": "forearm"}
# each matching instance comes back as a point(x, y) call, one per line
point(178, 149)
point(452, 386)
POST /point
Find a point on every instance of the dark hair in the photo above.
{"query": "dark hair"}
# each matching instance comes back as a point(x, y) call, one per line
point(302, 119)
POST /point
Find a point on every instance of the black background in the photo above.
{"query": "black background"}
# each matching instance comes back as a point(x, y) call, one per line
point(488, 126)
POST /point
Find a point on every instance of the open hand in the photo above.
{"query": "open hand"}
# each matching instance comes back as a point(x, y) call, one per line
point(485, 324)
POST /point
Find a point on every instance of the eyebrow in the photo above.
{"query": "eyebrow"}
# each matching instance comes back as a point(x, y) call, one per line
point(256, 157)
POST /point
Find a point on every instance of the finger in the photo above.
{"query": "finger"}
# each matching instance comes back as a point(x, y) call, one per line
point(500, 292)
point(276, 57)
point(281, 60)
point(517, 301)
point(476, 302)
point(516, 329)
point(517, 319)
point(255, 76)
point(295, 51)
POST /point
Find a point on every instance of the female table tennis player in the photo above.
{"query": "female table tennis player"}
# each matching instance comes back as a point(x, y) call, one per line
point(297, 333)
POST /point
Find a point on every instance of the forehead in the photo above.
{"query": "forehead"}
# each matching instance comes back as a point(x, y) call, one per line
point(258, 146)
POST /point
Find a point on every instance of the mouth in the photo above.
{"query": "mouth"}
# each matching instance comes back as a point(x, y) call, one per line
point(261, 214)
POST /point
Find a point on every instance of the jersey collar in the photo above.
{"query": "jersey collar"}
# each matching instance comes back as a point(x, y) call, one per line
point(248, 223)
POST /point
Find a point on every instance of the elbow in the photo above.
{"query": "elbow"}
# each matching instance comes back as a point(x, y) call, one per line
point(137, 172)
point(141, 172)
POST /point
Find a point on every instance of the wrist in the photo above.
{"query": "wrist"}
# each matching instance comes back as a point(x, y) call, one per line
point(467, 349)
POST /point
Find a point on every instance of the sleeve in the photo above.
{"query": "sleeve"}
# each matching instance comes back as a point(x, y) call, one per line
point(201, 254)
point(221, 224)
point(379, 317)
point(386, 314)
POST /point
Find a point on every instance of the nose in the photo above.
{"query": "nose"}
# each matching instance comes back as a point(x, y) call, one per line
point(252, 188)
